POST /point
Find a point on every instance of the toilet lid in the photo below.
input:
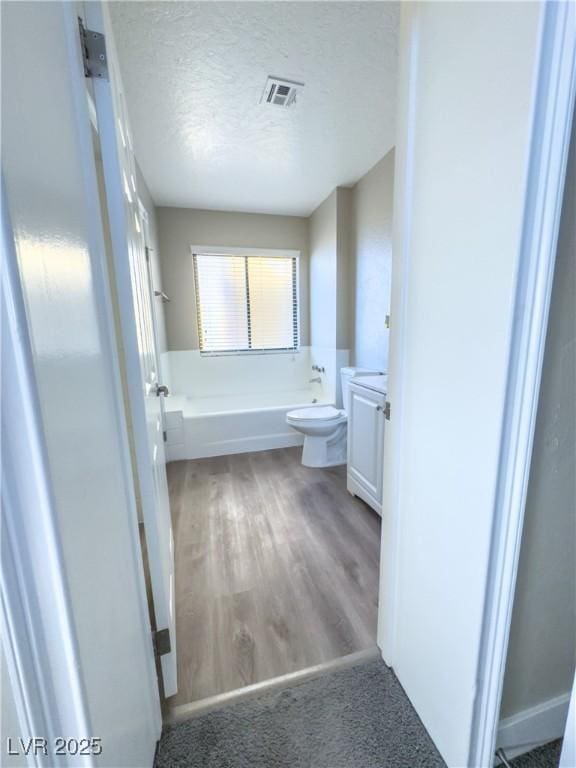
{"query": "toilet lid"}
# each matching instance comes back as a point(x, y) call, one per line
point(320, 412)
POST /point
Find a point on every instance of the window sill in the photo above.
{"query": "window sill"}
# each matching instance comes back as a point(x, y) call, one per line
point(250, 352)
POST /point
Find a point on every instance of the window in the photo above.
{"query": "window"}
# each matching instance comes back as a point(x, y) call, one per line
point(246, 303)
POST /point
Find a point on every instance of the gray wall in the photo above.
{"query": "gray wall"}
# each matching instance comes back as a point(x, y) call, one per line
point(179, 228)
point(344, 273)
point(541, 654)
point(330, 256)
point(155, 269)
point(371, 265)
point(323, 238)
point(351, 266)
point(344, 257)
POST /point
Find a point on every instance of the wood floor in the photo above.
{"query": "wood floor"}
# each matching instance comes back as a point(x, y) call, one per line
point(276, 569)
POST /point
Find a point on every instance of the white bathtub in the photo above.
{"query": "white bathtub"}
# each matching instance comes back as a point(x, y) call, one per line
point(238, 403)
point(215, 426)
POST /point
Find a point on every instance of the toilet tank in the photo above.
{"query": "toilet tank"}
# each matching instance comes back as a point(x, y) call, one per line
point(348, 373)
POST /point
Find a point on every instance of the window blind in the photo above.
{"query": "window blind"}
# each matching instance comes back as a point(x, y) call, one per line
point(246, 303)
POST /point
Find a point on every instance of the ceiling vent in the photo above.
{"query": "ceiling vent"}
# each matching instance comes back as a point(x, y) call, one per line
point(280, 92)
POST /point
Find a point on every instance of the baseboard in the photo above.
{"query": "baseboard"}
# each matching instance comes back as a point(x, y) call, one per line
point(201, 707)
point(528, 729)
point(247, 444)
point(179, 452)
point(354, 487)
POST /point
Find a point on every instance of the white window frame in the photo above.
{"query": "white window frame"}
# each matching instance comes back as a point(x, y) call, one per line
point(207, 250)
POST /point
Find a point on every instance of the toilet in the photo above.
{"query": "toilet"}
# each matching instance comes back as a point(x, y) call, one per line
point(324, 427)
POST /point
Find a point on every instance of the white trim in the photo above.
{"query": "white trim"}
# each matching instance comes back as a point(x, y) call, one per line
point(143, 213)
point(147, 242)
point(202, 706)
point(218, 250)
point(356, 489)
point(40, 646)
point(251, 352)
point(181, 451)
point(552, 118)
point(391, 504)
point(97, 19)
point(276, 253)
point(568, 756)
point(92, 111)
point(102, 289)
point(531, 727)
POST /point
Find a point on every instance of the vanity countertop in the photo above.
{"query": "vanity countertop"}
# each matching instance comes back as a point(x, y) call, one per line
point(377, 383)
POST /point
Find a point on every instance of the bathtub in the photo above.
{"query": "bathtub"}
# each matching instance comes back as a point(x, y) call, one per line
point(197, 427)
point(225, 404)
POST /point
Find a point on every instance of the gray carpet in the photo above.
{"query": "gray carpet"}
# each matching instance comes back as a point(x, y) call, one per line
point(547, 756)
point(355, 718)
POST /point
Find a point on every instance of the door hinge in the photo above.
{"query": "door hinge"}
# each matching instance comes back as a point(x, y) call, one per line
point(387, 322)
point(161, 642)
point(93, 45)
point(165, 435)
point(147, 251)
point(387, 408)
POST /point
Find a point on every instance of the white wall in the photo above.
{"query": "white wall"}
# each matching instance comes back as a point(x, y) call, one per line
point(371, 265)
point(195, 375)
point(179, 228)
point(542, 651)
point(465, 92)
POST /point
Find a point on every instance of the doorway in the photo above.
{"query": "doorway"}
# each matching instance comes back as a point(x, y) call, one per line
point(430, 570)
point(273, 292)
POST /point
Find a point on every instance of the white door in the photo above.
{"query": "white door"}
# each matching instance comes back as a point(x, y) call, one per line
point(138, 335)
point(51, 191)
point(366, 439)
point(464, 142)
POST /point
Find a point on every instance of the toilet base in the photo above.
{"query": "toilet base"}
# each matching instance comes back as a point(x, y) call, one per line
point(329, 451)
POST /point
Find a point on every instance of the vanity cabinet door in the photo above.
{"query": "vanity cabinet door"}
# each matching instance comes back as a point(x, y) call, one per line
point(366, 439)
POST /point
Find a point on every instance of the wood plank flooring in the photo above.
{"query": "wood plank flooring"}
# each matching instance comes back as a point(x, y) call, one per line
point(276, 569)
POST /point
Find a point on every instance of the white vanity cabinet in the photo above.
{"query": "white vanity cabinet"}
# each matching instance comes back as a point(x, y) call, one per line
point(366, 439)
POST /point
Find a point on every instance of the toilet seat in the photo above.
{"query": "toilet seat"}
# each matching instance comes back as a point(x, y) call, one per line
point(315, 414)
point(324, 429)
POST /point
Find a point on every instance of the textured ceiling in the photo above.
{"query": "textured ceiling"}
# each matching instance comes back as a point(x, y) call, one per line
point(194, 73)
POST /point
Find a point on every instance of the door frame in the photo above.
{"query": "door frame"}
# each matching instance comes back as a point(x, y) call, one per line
point(552, 127)
point(552, 113)
point(553, 109)
point(568, 755)
point(97, 19)
point(145, 218)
